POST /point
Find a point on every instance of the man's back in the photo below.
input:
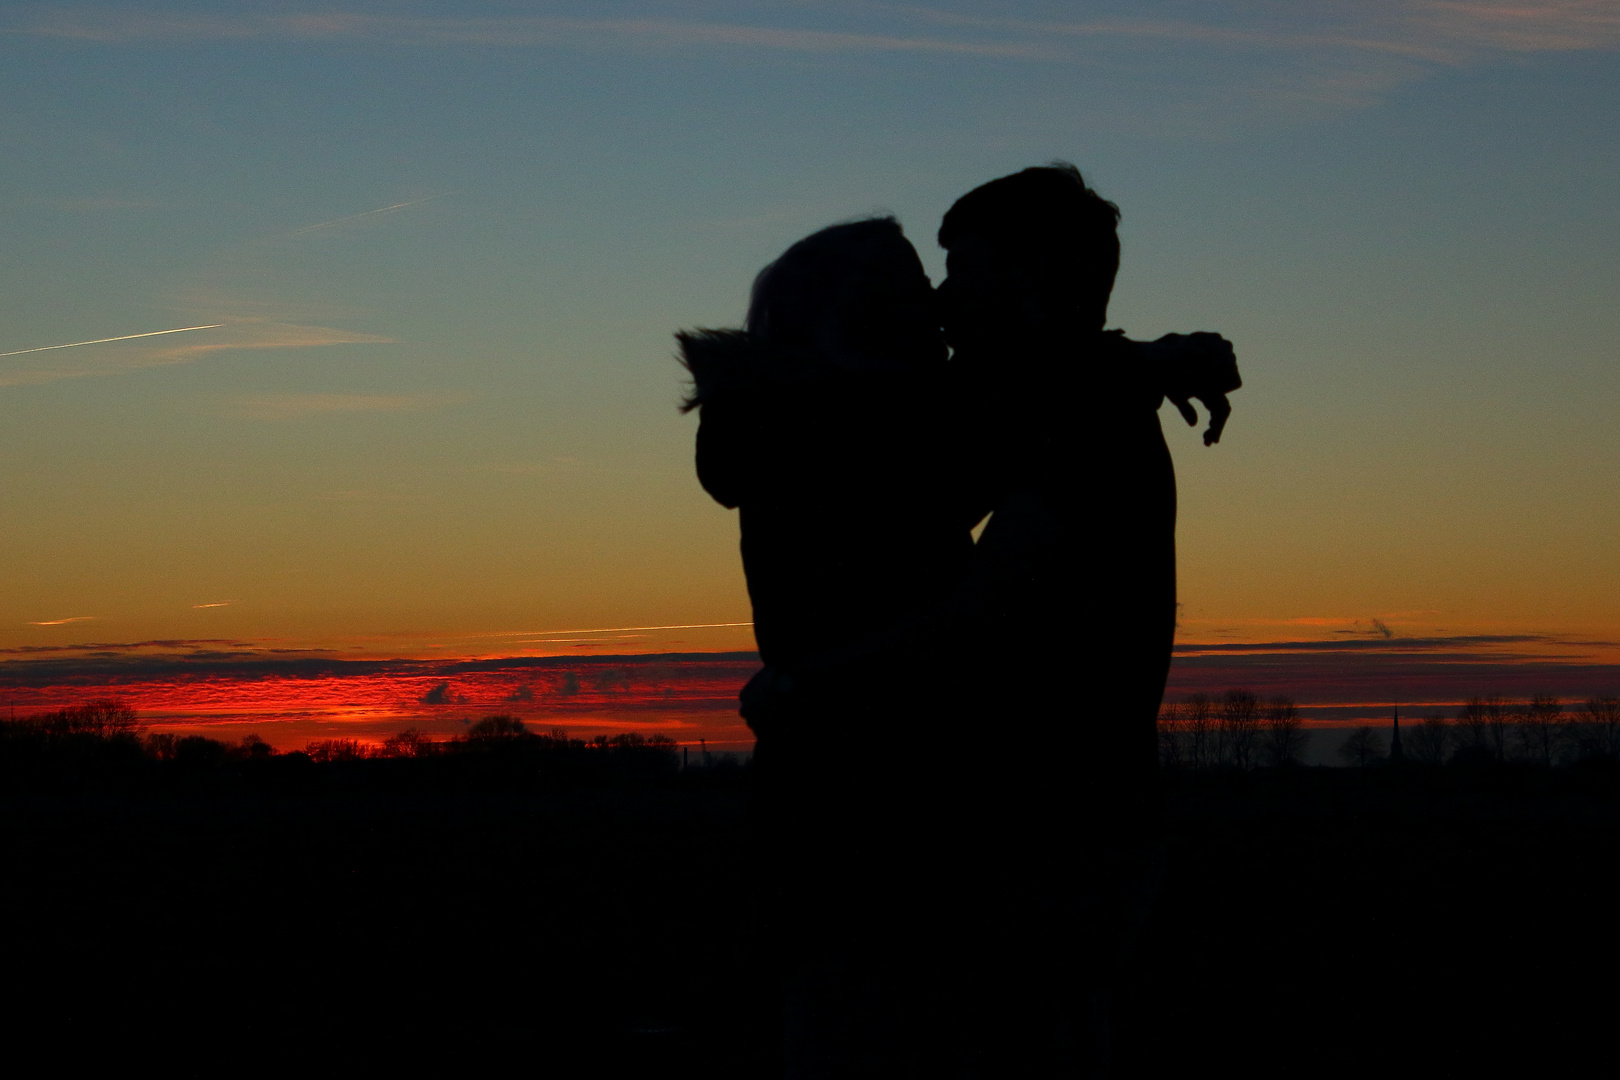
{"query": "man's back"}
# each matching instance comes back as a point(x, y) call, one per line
point(1078, 568)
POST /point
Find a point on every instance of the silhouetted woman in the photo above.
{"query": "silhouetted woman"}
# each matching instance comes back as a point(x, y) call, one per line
point(829, 424)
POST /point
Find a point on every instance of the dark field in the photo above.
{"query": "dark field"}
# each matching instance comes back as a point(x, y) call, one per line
point(473, 915)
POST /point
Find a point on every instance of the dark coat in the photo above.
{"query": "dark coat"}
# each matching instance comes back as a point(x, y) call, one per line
point(1071, 603)
point(855, 500)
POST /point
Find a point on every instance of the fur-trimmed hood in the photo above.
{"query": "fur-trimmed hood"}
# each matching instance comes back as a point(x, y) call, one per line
point(719, 361)
point(733, 363)
point(749, 397)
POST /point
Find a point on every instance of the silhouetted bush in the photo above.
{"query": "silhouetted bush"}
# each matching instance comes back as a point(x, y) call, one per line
point(253, 748)
point(196, 752)
point(499, 727)
point(160, 746)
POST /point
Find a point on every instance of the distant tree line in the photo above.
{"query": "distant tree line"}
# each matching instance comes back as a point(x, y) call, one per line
point(1234, 731)
point(1239, 730)
point(498, 734)
point(1541, 731)
point(106, 733)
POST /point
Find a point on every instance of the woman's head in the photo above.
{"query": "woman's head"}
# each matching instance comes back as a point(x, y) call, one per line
point(854, 296)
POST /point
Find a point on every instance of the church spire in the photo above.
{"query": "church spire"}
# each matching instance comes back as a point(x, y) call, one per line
point(1395, 738)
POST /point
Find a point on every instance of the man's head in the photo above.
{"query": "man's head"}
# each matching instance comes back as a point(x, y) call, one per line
point(1030, 254)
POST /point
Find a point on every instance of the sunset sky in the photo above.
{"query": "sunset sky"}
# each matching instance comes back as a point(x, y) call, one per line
point(446, 246)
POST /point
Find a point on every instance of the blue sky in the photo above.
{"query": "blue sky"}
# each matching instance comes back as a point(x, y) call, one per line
point(449, 244)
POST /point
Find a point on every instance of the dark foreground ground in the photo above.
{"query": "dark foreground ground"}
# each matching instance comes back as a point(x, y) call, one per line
point(385, 916)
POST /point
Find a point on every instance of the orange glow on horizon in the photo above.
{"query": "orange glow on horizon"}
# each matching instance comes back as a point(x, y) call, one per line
point(687, 700)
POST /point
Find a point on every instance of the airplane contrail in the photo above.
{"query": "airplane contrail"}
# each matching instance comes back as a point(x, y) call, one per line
point(99, 341)
point(366, 213)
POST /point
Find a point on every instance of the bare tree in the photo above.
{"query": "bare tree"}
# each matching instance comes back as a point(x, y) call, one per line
point(1172, 739)
point(498, 728)
point(1541, 729)
point(1285, 737)
point(1499, 720)
point(1239, 728)
point(1198, 720)
point(338, 750)
point(160, 747)
point(408, 743)
point(1430, 740)
point(1363, 747)
point(1600, 735)
point(254, 748)
point(104, 718)
point(1471, 732)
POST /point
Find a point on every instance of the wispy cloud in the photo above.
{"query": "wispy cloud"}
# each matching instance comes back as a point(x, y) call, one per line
point(122, 27)
point(305, 406)
point(1548, 25)
point(63, 622)
point(1284, 56)
point(111, 647)
point(1439, 30)
point(96, 205)
point(217, 603)
point(1429, 29)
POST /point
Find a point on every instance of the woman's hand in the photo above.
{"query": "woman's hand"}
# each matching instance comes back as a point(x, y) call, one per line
point(1197, 366)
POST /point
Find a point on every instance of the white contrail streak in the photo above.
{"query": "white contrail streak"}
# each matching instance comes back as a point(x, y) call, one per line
point(99, 341)
point(367, 213)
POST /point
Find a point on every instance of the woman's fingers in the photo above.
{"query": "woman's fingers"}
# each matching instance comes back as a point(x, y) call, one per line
point(1188, 413)
point(1219, 409)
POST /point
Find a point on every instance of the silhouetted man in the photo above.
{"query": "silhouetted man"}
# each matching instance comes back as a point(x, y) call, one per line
point(1068, 617)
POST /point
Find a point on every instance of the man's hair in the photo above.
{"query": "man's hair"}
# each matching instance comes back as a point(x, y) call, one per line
point(1048, 217)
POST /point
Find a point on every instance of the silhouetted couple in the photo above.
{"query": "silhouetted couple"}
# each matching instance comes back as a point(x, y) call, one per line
point(955, 769)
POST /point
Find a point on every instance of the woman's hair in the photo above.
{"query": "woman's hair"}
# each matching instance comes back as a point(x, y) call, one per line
point(799, 301)
point(844, 298)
